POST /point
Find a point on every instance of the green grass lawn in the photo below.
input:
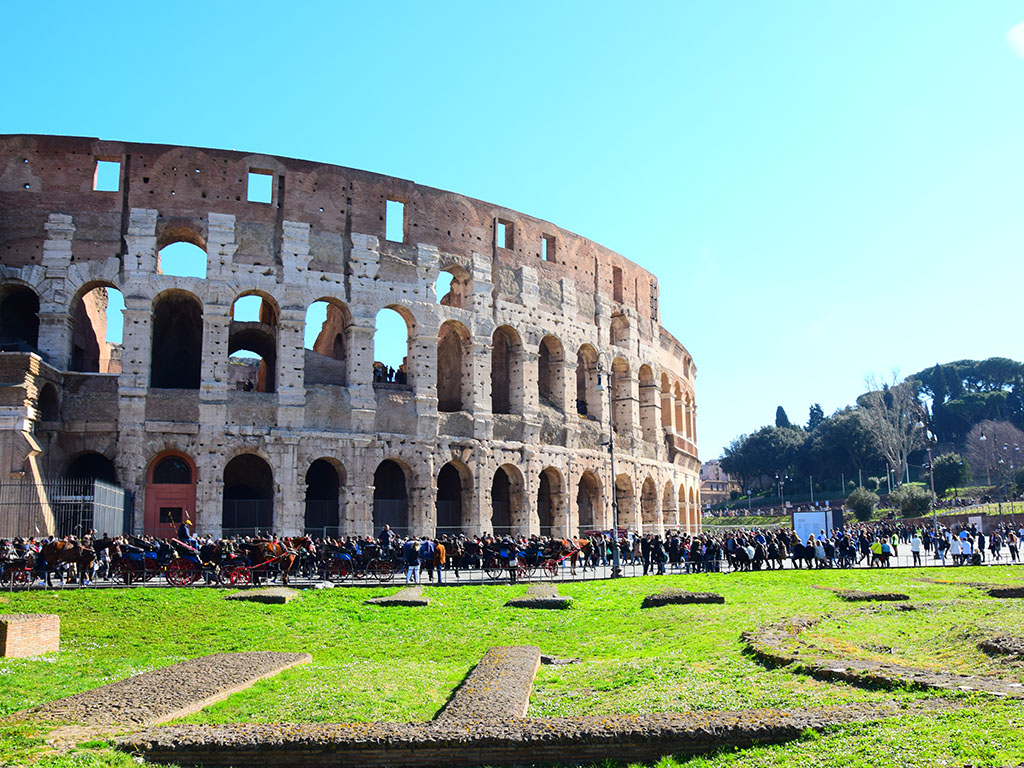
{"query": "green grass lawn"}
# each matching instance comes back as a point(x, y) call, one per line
point(402, 664)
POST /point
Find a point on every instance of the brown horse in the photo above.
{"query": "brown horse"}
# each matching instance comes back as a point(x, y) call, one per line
point(283, 551)
point(564, 548)
point(56, 552)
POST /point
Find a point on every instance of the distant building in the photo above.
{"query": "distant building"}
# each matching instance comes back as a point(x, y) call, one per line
point(715, 483)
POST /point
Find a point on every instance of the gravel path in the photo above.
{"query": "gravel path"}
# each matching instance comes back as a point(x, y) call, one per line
point(167, 693)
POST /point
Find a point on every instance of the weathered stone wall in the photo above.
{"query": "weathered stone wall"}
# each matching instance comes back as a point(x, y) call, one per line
point(322, 237)
point(29, 634)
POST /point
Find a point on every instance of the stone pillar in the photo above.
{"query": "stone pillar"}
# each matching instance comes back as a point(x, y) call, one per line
point(291, 361)
point(479, 401)
point(360, 373)
point(289, 514)
point(423, 500)
point(54, 306)
point(220, 245)
point(295, 250)
point(140, 243)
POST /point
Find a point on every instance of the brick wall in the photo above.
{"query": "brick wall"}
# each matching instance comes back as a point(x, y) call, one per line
point(29, 634)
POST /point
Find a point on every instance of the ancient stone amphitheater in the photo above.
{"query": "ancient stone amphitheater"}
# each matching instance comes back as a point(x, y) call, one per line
point(523, 342)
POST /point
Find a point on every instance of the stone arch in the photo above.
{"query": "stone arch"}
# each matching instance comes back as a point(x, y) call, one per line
point(551, 372)
point(49, 403)
point(458, 288)
point(588, 399)
point(506, 371)
point(254, 333)
point(177, 348)
point(589, 502)
point(170, 493)
point(668, 507)
point(391, 492)
point(551, 503)
point(181, 252)
point(248, 496)
point(454, 367)
point(649, 506)
point(626, 502)
point(325, 483)
point(454, 498)
point(648, 404)
point(91, 465)
point(90, 349)
point(508, 510)
point(327, 353)
point(19, 317)
point(390, 353)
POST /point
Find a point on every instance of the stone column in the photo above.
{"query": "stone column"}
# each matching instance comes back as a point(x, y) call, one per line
point(291, 360)
point(140, 243)
point(54, 315)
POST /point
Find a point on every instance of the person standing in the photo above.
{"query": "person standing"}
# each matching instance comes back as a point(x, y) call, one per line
point(915, 548)
point(427, 557)
point(411, 553)
point(440, 558)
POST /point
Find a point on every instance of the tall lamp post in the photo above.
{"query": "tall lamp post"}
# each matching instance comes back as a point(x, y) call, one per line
point(931, 476)
point(781, 480)
point(616, 565)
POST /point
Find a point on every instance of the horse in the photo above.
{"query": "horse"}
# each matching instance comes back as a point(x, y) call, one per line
point(283, 551)
point(564, 548)
point(54, 553)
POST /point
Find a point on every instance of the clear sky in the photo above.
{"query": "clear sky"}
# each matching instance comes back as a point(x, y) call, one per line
point(825, 190)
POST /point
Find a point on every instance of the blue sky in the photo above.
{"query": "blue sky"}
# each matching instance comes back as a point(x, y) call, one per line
point(826, 191)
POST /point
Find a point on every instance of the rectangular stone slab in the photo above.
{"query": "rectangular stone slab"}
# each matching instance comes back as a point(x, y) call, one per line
point(170, 692)
point(273, 595)
point(410, 596)
point(498, 687)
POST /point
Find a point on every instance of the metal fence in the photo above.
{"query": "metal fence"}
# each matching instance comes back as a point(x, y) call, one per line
point(63, 507)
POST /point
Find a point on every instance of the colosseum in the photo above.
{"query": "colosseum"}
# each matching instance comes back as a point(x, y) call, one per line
point(524, 345)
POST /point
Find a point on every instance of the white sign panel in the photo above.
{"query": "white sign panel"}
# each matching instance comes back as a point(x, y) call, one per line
point(806, 523)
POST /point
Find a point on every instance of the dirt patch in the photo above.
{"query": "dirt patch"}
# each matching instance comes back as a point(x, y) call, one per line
point(864, 596)
point(1003, 645)
point(681, 597)
point(168, 693)
point(272, 595)
point(410, 596)
point(1003, 591)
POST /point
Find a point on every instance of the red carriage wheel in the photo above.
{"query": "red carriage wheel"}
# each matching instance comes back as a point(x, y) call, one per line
point(382, 570)
point(337, 570)
point(20, 577)
point(493, 568)
point(123, 572)
point(550, 568)
point(182, 573)
point(150, 568)
point(239, 576)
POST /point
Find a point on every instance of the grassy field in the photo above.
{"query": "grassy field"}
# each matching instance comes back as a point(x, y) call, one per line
point(402, 664)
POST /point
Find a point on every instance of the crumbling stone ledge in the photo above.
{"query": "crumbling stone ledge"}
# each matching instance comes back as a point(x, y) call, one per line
point(452, 742)
point(1003, 645)
point(541, 596)
point(410, 596)
point(167, 693)
point(271, 595)
point(778, 644)
point(498, 687)
point(674, 596)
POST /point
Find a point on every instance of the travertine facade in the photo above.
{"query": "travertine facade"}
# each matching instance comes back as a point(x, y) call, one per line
point(495, 423)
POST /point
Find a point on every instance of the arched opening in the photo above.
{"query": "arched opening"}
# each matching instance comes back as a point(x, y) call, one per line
point(92, 466)
point(454, 369)
point(323, 499)
point(97, 328)
point(453, 286)
point(507, 500)
point(506, 371)
point(327, 341)
point(666, 403)
point(49, 403)
point(588, 499)
point(551, 373)
point(454, 494)
point(677, 405)
point(391, 337)
point(588, 399)
point(182, 253)
point(625, 501)
point(390, 497)
point(177, 352)
point(668, 507)
point(649, 506)
point(252, 344)
point(619, 331)
point(648, 404)
point(622, 402)
point(550, 502)
point(248, 496)
point(19, 318)
point(170, 494)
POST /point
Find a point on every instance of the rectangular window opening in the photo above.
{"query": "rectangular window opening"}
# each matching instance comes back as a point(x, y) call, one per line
point(261, 187)
point(107, 177)
point(503, 233)
point(394, 221)
point(547, 247)
point(617, 284)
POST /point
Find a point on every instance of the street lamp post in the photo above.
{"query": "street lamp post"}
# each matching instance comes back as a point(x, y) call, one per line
point(929, 437)
point(781, 479)
point(616, 565)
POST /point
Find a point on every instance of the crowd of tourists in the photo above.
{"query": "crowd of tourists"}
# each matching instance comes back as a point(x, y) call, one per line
point(448, 556)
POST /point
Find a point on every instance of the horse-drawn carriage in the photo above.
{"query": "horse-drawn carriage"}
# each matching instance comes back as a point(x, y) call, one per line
point(356, 561)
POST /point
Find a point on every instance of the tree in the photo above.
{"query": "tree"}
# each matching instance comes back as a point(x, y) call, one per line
point(781, 419)
point(815, 417)
point(994, 459)
point(842, 443)
point(863, 502)
point(911, 500)
point(891, 415)
point(948, 471)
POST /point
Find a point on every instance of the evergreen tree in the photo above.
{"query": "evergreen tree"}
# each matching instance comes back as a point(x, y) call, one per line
point(781, 419)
